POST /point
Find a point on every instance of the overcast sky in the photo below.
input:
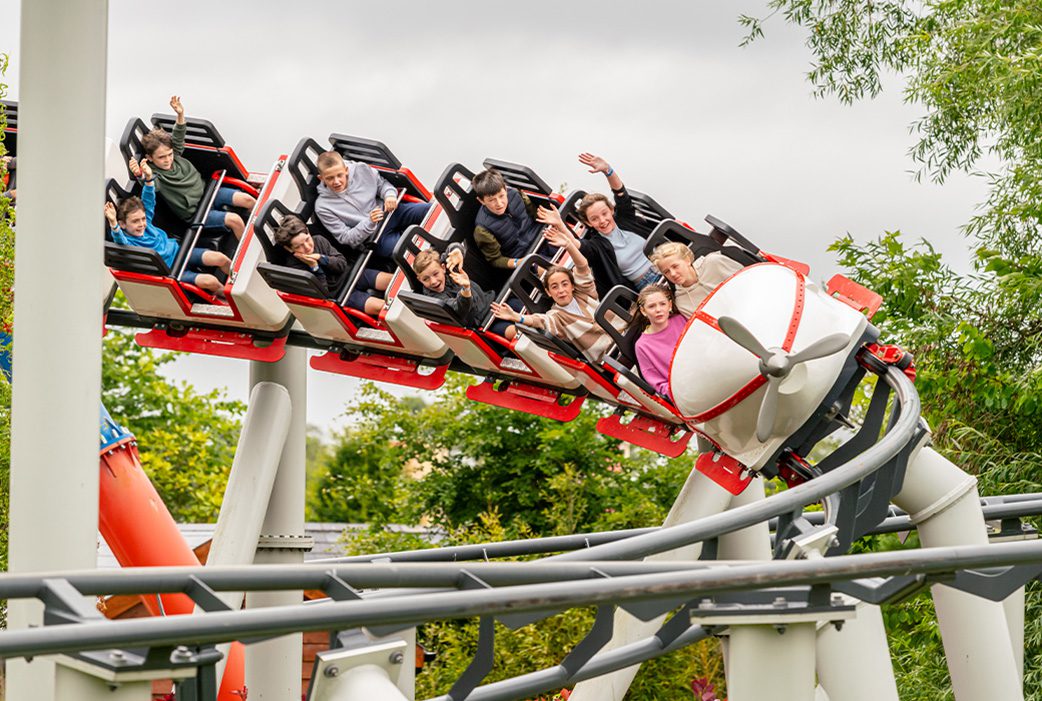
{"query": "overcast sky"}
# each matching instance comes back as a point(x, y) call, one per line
point(660, 89)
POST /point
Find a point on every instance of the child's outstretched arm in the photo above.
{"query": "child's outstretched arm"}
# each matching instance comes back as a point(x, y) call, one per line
point(501, 310)
point(596, 164)
point(179, 109)
point(143, 171)
point(114, 229)
point(558, 235)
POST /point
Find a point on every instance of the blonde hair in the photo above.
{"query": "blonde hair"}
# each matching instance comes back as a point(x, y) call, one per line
point(425, 259)
point(329, 159)
point(672, 248)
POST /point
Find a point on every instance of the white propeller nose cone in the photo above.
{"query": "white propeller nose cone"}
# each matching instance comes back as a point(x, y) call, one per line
point(719, 384)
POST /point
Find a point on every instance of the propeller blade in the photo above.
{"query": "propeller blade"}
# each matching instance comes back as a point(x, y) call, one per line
point(737, 332)
point(768, 410)
point(820, 348)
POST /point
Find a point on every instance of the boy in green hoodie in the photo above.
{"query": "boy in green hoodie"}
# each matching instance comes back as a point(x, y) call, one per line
point(179, 183)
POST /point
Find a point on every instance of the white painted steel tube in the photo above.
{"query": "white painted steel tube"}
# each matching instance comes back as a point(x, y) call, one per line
point(257, 456)
point(273, 668)
point(1014, 607)
point(766, 664)
point(854, 662)
point(943, 501)
point(699, 497)
point(57, 322)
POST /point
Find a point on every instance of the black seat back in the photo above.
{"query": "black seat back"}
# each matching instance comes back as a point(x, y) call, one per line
point(11, 130)
point(204, 146)
point(414, 240)
point(430, 308)
point(700, 244)
point(454, 193)
point(376, 154)
point(291, 280)
point(527, 284)
point(620, 301)
point(723, 232)
point(303, 168)
point(135, 259)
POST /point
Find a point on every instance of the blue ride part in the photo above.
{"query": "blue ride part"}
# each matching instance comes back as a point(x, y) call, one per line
point(5, 355)
point(111, 433)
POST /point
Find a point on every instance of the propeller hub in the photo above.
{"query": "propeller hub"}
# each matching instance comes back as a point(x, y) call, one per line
point(777, 364)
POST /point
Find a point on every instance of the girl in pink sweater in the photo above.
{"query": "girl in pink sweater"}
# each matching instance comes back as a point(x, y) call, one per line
point(663, 325)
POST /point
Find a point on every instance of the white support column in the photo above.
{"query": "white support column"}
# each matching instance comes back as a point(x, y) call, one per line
point(767, 664)
point(700, 497)
point(943, 501)
point(57, 339)
point(273, 668)
point(240, 522)
point(854, 662)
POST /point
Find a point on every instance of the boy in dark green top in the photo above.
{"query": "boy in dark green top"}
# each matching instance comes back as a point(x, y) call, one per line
point(179, 183)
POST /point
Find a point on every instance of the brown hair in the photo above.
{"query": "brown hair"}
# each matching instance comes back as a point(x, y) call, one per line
point(588, 201)
point(128, 206)
point(639, 320)
point(424, 259)
point(290, 227)
point(329, 159)
point(487, 183)
point(553, 270)
point(672, 248)
point(154, 139)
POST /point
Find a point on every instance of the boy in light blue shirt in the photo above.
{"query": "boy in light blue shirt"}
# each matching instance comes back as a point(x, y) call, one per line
point(131, 225)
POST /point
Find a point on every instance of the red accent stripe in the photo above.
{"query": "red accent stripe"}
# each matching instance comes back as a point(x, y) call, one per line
point(797, 312)
point(241, 184)
point(265, 193)
point(731, 402)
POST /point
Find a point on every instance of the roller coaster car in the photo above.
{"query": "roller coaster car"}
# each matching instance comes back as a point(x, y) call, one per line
point(395, 346)
point(656, 425)
point(519, 374)
point(252, 322)
point(10, 141)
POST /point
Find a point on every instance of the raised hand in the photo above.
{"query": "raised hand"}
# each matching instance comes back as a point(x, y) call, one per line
point(110, 215)
point(135, 169)
point(503, 311)
point(596, 164)
point(562, 238)
point(459, 277)
point(550, 216)
point(146, 169)
point(177, 107)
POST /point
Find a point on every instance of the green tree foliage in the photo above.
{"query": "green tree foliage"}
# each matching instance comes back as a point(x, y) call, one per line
point(186, 438)
point(975, 68)
point(978, 377)
point(537, 474)
point(6, 319)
